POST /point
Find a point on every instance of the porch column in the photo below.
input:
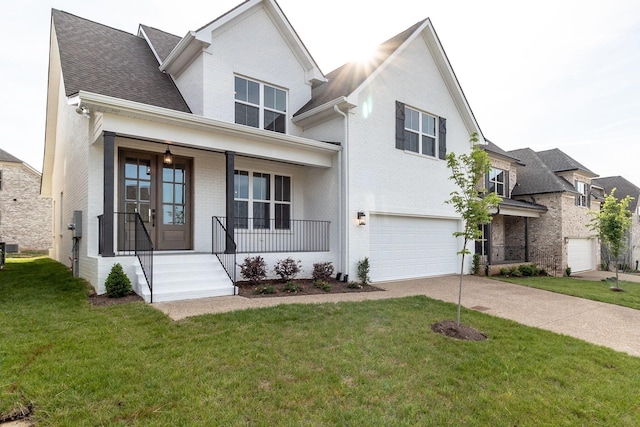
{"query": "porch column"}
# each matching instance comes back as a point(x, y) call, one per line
point(526, 239)
point(109, 192)
point(230, 247)
point(489, 237)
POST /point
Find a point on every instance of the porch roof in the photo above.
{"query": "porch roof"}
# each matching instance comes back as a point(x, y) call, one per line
point(511, 207)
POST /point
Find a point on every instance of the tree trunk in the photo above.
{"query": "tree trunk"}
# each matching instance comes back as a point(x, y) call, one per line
point(460, 286)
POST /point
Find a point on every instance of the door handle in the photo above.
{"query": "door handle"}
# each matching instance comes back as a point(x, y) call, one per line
point(153, 217)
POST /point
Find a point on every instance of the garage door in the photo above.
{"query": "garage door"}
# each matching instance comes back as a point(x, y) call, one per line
point(580, 254)
point(408, 247)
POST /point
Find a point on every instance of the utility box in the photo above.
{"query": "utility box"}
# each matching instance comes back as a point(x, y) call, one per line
point(76, 231)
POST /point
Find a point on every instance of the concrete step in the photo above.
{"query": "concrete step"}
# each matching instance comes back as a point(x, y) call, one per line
point(185, 276)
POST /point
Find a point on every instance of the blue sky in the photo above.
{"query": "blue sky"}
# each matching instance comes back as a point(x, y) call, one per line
point(544, 74)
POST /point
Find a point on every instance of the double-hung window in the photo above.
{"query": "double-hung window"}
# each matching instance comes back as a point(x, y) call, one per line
point(259, 197)
point(420, 132)
point(497, 182)
point(260, 105)
point(582, 199)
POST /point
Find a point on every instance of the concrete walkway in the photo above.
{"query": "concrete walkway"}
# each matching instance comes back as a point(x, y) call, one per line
point(596, 322)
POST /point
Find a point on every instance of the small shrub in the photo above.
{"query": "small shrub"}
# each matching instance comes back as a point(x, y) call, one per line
point(287, 269)
point(322, 271)
point(363, 271)
point(504, 271)
point(529, 270)
point(567, 271)
point(322, 285)
point(475, 265)
point(253, 269)
point(515, 271)
point(354, 285)
point(265, 289)
point(292, 287)
point(117, 284)
point(543, 272)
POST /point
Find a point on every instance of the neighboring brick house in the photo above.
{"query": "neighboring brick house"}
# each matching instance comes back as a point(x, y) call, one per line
point(624, 188)
point(25, 216)
point(553, 179)
point(262, 147)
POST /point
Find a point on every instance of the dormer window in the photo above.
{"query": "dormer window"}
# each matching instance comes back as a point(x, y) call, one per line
point(260, 105)
point(497, 182)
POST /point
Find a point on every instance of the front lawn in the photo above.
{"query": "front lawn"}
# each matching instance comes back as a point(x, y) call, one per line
point(373, 363)
point(593, 290)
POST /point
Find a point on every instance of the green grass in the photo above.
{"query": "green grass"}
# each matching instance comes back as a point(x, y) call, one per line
point(593, 290)
point(373, 363)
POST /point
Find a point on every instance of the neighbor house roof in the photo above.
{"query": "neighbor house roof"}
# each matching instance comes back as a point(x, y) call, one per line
point(493, 148)
point(6, 157)
point(558, 161)
point(536, 177)
point(623, 188)
point(103, 60)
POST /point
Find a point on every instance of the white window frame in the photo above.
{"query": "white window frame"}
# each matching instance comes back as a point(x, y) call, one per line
point(271, 201)
point(494, 173)
point(583, 189)
point(421, 131)
point(262, 108)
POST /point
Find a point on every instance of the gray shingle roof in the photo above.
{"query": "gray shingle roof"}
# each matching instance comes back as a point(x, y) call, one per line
point(161, 41)
point(347, 78)
point(535, 177)
point(558, 161)
point(100, 59)
point(6, 157)
point(623, 188)
point(493, 148)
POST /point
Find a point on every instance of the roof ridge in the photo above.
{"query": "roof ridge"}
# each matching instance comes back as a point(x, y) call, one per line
point(158, 29)
point(95, 22)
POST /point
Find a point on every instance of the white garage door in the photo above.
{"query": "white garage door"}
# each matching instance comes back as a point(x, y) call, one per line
point(408, 247)
point(580, 254)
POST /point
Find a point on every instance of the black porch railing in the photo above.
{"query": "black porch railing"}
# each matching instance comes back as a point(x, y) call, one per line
point(3, 255)
point(548, 260)
point(224, 248)
point(259, 235)
point(133, 239)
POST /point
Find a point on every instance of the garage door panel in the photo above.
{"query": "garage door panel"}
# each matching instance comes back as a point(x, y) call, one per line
point(407, 247)
point(580, 254)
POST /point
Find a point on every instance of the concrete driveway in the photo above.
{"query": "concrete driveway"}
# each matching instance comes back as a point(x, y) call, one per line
point(591, 321)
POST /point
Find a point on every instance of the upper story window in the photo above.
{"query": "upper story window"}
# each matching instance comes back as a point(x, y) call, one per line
point(260, 105)
point(497, 182)
point(262, 201)
point(582, 199)
point(420, 132)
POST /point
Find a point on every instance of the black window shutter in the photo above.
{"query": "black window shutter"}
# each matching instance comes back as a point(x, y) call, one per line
point(442, 138)
point(588, 187)
point(399, 125)
point(506, 184)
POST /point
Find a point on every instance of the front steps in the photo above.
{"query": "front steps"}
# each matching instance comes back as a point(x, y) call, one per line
point(184, 276)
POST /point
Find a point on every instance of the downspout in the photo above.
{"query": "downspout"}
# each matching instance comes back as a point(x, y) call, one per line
point(343, 208)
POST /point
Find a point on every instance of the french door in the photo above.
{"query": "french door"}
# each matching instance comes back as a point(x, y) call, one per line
point(161, 194)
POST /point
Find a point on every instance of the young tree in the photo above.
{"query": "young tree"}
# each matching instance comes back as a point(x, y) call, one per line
point(471, 201)
point(611, 223)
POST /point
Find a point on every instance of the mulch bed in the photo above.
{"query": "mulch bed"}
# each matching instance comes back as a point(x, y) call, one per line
point(451, 329)
point(247, 290)
point(104, 300)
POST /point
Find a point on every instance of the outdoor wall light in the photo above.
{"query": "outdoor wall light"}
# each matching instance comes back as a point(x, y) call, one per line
point(168, 157)
point(361, 218)
point(81, 109)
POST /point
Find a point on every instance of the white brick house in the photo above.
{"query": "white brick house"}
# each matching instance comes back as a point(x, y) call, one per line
point(259, 134)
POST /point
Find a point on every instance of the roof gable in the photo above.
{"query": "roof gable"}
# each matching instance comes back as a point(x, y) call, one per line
point(623, 188)
point(193, 42)
point(161, 42)
point(558, 161)
point(100, 59)
point(535, 177)
point(348, 80)
point(6, 157)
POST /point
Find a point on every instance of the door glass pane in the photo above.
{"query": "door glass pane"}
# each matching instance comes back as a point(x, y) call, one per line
point(145, 191)
point(167, 174)
point(167, 214)
point(179, 215)
point(167, 192)
point(179, 194)
point(131, 168)
point(130, 208)
point(144, 211)
point(179, 174)
point(131, 190)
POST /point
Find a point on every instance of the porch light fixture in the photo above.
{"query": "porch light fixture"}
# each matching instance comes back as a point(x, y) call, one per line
point(361, 218)
point(81, 109)
point(168, 157)
point(494, 210)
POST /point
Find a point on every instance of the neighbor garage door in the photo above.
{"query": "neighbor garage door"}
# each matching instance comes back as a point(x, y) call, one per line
point(580, 255)
point(408, 247)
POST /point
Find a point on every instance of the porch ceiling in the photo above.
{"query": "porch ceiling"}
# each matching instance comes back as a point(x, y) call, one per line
point(510, 207)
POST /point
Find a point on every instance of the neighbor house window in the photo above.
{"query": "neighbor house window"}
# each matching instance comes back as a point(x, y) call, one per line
point(261, 197)
point(420, 132)
point(497, 182)
point(260, 105)
point(582, 199)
